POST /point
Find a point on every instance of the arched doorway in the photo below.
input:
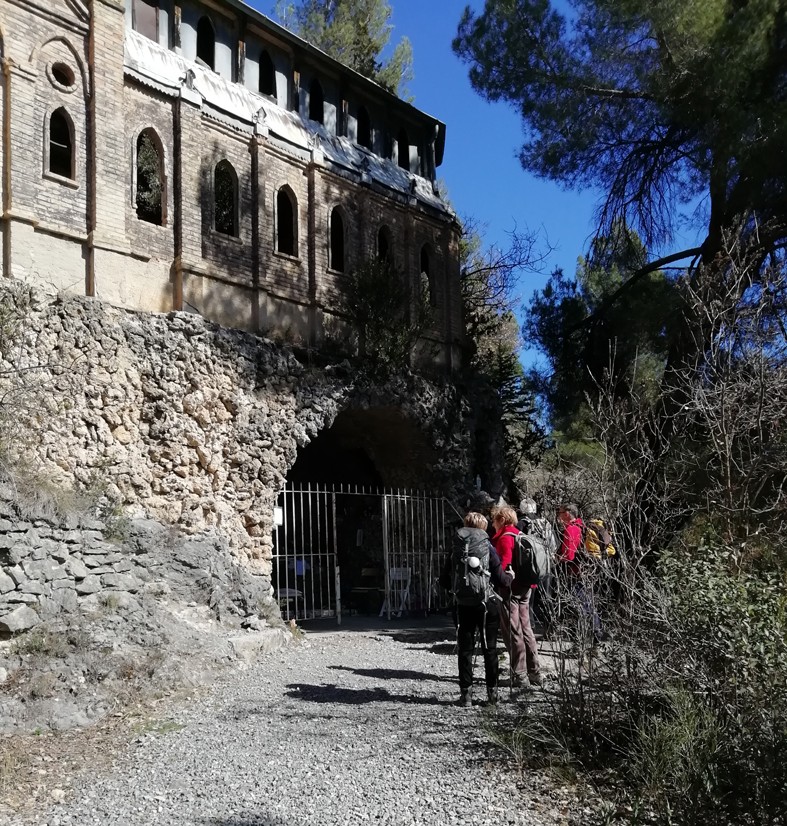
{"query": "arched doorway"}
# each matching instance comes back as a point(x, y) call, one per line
point(357, 531)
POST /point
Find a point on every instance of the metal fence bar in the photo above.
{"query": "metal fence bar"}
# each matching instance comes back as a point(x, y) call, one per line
point(307, 577)
point(337, 572)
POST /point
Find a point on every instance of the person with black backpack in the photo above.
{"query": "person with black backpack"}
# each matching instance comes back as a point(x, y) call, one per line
point(472, 569)
point(515, 619)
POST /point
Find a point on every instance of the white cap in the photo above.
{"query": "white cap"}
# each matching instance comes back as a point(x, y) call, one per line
point(528, 505)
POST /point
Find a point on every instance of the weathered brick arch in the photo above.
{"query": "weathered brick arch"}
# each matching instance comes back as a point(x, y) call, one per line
point(38, 52)
point(161, 149)
point(286, 220)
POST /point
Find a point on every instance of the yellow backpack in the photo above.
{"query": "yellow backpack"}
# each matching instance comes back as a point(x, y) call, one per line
point(598, 540)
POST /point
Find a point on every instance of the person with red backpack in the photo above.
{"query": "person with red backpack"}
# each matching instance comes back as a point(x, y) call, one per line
point(515, 616)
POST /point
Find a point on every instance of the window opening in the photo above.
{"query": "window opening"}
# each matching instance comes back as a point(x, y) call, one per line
point(426, 272)
point(149, 180)
point(144, 18)
point(61, 144)
point(364, 128)
point(267, 75)
point(63, 74)
point(403, 147)
point(316, 102)
point(206, 42)
point(383, 244)
point(225, 199)
point(337, 241)
point(285, 223)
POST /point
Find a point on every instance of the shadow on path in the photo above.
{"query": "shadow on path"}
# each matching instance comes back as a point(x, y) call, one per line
point(357, 696)
point(391, 673)
point(245, 819)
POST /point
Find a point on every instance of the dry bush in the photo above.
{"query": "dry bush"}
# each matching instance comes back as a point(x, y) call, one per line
point(685, 708)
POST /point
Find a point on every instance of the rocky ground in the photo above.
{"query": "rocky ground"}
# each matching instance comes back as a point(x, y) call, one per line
point(343, 727)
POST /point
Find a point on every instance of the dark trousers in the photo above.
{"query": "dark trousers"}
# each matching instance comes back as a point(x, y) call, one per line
point(540, 605)
point(472, 619)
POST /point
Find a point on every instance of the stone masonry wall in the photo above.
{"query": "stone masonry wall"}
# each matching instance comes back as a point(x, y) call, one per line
point(173, 419)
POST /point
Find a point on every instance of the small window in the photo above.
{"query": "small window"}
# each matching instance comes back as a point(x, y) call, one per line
point(403, 150)
point(426, 272)
point(384, 244)
point(63, 74)
point(286, 228)
point(316, 102)
point(337, 241)
point(225, 199)
point(150, 190)
point(144, 18)
point(206, 42)
point(61, 144)
point(364, 128)
point(267, 75)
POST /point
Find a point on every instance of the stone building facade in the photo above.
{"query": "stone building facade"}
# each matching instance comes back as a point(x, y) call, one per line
point(193, 155)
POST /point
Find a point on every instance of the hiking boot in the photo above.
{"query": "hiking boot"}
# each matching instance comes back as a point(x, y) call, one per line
point(466, 698)
point(535, 678)
point(517, 680)
point(491, 696)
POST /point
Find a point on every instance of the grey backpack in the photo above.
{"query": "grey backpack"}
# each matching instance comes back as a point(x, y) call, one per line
point(471, 583)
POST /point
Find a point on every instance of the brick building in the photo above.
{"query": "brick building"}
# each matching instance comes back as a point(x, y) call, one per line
point(194, 155)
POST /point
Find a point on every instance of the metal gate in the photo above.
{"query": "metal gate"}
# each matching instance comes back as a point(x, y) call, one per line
point(340, 548)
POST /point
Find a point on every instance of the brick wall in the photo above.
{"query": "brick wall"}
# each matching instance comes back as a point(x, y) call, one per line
point(84, 235)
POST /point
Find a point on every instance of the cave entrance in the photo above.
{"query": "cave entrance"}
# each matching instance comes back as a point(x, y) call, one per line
point(356, 532)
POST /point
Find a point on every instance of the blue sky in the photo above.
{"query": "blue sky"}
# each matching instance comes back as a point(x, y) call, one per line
point(480, 168)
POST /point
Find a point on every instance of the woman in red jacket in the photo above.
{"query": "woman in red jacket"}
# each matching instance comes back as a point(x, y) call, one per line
point(515, 616)
point(569, 569)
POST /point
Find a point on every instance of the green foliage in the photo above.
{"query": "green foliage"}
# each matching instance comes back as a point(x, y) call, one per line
point(655, 103)
point(488, 278)
point(148, 180)
point(716, 753)
point(355, 32)
point(388, 313)
point(672, 753)
point(625, 347)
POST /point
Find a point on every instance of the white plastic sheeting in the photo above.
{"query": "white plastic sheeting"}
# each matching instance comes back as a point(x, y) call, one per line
point(170, 73)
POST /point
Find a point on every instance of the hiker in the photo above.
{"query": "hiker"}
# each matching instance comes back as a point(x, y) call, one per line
point(473, 568)
point(531, 522)
point(569, 569)
point(515, 615)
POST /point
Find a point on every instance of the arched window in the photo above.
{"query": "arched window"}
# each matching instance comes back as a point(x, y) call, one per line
point(426, 273)
point(364, 128)
point(61, 144)
point(337, 241)
point(206, 42)
point(267, 75)
point(316, 102)
point(384, 244)
point(286, 225)
point(150, 176)
point(403, 150)
point(225, 199)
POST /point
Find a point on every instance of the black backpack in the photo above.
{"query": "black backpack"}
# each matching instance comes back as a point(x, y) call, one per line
point(531, 559)
point(471, 582)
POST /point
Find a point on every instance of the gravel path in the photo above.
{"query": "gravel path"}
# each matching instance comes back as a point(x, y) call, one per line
point(349, 727)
